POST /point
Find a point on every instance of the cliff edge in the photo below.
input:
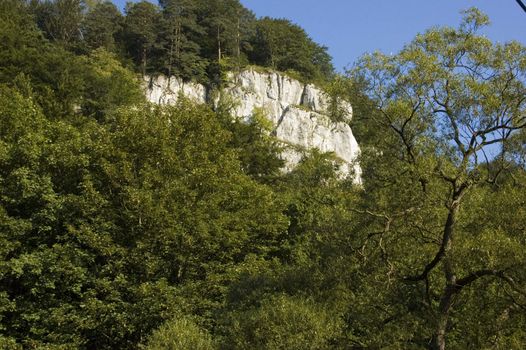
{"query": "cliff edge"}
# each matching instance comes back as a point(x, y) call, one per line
point(298, 111)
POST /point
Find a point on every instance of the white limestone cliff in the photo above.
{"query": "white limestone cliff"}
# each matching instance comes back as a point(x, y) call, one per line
point(164, 90)
point(297, 111)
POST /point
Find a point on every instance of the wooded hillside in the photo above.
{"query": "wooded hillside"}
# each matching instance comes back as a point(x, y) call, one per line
point(127, 225)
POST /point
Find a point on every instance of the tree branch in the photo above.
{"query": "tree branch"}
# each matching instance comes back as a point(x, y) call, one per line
point(521, 4)
point(446, 237)
point(461, 283)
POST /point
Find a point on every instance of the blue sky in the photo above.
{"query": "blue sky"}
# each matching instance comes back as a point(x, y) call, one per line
point(350, 28)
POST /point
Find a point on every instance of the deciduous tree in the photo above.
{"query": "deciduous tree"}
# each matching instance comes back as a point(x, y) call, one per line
point(449, 103)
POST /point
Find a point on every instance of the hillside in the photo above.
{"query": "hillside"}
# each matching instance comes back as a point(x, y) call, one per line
point(299, 114)
point(144, 202)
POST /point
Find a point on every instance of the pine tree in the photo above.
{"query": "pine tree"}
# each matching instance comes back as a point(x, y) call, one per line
point(140, 31)
point(181, 38)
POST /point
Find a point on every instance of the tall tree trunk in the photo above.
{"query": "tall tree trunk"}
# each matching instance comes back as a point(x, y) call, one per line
point(218, 45)
point(144, 61)
point(171, 54)
point(439, 338)
point(450, 290)
point(238, 42)
point(178, 41)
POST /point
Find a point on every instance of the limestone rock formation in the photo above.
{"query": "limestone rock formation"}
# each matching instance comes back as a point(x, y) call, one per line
point(164, 90)
point(298, 111)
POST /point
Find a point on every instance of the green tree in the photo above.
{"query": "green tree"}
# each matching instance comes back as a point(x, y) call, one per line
point(310, 265)
point(61, 20)
point(226, 21)
point(108, 229)
point(101, 25)
point(230, 27)
point(108, 85)
point(55, 74)
point(180, 334)
point(285, 46)
point(44, 271)
point(282, 322)
point(140, 33)
point(191, 226)
point(258, 151)
point(445, 103)
point(181, 39)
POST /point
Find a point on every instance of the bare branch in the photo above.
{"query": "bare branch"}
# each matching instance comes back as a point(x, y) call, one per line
point(521, 4)
point(447, 111)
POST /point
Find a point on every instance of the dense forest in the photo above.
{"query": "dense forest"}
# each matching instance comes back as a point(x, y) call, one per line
point(193, 39)
point(127, 225)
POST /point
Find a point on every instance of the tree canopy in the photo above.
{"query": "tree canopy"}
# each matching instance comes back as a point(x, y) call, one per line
point(194, 40)
point(450, 104)
point(128, 225)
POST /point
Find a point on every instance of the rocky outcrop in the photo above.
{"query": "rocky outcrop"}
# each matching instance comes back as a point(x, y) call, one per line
point(298, 111)
point(164, 90)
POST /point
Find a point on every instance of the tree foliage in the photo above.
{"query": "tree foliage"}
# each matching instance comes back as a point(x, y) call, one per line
point(285, 46)
point(60, 20)
point(140, 33)
point(101, 26)
point(449, 102)
point(126, 225)
point(180, 334)
point(194, 40)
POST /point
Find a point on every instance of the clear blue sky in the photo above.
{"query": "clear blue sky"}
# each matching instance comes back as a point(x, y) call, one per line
point(350, 28)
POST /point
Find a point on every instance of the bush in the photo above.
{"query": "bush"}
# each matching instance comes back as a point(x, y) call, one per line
point(180, 334)
point(282, 322)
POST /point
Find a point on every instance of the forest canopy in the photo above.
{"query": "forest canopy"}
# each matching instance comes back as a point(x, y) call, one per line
point(192, 39)
point(127, 225)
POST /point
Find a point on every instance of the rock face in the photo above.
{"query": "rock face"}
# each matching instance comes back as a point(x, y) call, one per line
point(163, 90)
point(298, 112)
